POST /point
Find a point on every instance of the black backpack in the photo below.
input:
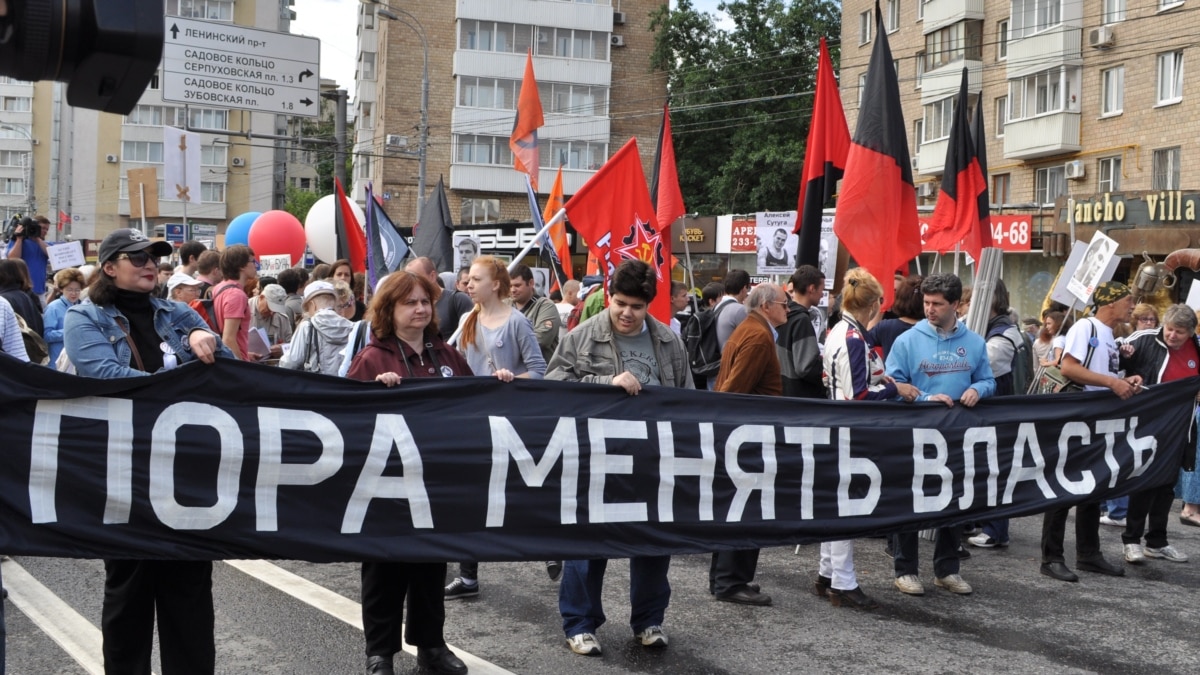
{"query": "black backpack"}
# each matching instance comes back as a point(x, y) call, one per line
point(700, 339)
point(1022, 373)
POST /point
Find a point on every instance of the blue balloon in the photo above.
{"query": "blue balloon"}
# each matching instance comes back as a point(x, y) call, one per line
point(238, 231)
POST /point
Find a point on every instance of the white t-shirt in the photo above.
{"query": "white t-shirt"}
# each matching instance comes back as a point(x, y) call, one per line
point(1106, 359)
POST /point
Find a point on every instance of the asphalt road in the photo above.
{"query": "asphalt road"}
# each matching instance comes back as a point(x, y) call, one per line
point(1017, 621)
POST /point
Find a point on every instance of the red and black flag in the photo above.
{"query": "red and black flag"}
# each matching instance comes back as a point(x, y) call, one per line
point(979, 136)
point(956, 216)
point(664, 185)
point(351, 240)
point(877, 209)
point(824, 160)
point(524, 139)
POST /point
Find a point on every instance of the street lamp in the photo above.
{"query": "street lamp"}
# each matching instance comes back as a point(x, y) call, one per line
point(405, 17)
point(29, 185)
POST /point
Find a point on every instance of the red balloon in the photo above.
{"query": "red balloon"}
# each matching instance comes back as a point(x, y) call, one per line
point(277, 233)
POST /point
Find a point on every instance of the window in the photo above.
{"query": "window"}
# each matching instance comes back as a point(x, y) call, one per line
point(864, 27)
point(1001, 115)
point(202, 118)
point(21, 131)
point(1049, 184)
point(142, 151)
point(1112, 11)
point(920, 68)
point(862, 87)
point(893, 15)
point(939, 115)
point(493, 36)
point(918, 136)
point(362, 166)
point(1112, 90)
point(154, 82)
point(487, 92)
point(12, 186)
point(1166, 169)
point(962, 40)
point(145, 115)
point(213, 10)
point(1034, 16)
point(214, 155)
point(921, 9)
point(480, 211)
point(1110, 174)
point(365, 118)
point(123, 191)
point(1168, 4)
point(367, 61)
point(1041, 93)
point(1001, 185)
point(574, 155)
point(1170, 77)
point(16, 103)
point(1002, 40)
point(211, 193)
point(473, 149)
point(368, 14)
point(12, 158)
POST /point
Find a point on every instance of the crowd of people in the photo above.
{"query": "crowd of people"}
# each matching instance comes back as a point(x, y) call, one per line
point(131, 315)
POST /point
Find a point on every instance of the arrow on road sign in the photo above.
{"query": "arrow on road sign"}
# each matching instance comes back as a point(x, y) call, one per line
point(174, 32)
point(306, 73)
point(306, 101)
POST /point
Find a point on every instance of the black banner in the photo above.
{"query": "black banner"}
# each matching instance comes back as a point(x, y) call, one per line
point(242, 461)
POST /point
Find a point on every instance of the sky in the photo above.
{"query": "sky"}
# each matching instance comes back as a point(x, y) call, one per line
point(334, 23)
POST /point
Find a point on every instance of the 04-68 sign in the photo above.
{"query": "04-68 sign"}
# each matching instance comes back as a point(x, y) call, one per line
point(1011, 233)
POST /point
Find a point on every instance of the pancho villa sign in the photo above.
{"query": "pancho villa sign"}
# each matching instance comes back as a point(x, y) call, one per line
point(1167, 206)
point(239, 461)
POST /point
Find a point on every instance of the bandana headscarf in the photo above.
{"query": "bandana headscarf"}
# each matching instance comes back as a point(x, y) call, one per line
point(1108, 293)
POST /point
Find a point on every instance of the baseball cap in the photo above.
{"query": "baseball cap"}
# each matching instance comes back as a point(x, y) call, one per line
point(317, 288)
point(128, 240)
point(276, 297)
point(178, 279)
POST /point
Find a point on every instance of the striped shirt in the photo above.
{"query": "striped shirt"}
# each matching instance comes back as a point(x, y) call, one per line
point(11, 342)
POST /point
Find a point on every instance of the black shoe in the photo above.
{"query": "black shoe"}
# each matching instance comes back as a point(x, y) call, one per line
point(554, 570)
point(820, 587)
point(380, 665)
point(853, 598)
point(1060, 571)
point(963, 553)
point(440, 660)
point(1100, 566)
point(746, 596)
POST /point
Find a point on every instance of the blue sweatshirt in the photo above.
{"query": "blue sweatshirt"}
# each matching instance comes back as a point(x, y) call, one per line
point(937, 365)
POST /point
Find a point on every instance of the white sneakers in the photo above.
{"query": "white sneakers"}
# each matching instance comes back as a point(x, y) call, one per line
point(584, 644)
point(652, 637)
point(953, 583)
point(1168, 552)
point(1133, 554)
point(910, 584)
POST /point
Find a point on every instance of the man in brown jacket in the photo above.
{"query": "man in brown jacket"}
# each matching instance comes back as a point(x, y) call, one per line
point(749, 365)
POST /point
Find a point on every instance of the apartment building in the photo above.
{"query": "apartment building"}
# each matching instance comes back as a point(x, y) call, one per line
point(591, 58)
point(1087, 111)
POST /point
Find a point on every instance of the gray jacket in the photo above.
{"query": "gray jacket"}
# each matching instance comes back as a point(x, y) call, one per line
point(587, 354)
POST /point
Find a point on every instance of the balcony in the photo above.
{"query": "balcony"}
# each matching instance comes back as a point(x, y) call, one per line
point(586, 16)
point(944, 81)
point(493, 178)
point(931, 161)
point(549, 68)
point(942, 13)
point(1058, 46)
point(1042, 136)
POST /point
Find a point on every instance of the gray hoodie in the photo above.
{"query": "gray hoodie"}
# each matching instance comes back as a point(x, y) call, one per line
point(331, 331)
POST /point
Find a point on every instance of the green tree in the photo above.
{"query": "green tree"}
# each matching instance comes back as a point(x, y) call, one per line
point(741, 98)
point(323, 153)
point(298, 202)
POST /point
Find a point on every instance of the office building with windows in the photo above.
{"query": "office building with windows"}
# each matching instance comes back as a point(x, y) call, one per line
point(1086, 108)
point(592, 62)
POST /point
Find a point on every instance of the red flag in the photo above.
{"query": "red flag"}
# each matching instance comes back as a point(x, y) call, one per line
point(613, 213)
point(558, 233)
point(956, 216)
point(877, 209)
point(524, 139)
point(352, 242)
point(985, 205)
point(824, 160)
point(664, 187)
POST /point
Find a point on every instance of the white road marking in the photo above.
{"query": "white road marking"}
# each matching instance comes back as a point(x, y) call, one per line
point(75, 634)
point(339, 606)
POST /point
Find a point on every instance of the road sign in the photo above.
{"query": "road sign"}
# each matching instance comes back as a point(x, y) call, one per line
point(174, 232)
point(228, 66)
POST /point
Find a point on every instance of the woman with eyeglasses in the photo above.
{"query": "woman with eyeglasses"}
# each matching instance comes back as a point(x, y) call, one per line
point(854, 371)
point(125, 331)
point(404, 345)
point(318, 341)
point(1145, 317)
point(69, 283)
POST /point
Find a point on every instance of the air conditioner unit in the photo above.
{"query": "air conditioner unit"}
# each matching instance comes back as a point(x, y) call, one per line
point(395, 141)
point(617, 40)
point(915, 162)
point(925, 190)
point(619, 18)
point(1074, 169)
point(1101, 37)
point(543, 37)
point(239, 161)
point(111, 159)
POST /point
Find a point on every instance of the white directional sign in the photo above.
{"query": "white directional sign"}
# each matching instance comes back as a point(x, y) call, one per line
point(228, 66)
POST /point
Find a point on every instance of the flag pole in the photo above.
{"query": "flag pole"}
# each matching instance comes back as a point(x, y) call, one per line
point(518, 257)
point(687, 255)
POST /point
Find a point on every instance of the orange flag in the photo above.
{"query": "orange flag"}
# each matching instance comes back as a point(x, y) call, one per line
point(524, 139)
point(558, 233)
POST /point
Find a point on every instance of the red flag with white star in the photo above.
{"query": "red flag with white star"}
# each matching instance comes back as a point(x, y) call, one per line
point(614, 215)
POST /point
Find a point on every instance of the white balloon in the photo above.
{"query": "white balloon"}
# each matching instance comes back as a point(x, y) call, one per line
point(319, 228)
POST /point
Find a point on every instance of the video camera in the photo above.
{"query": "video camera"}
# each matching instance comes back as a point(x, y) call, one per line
point(106, 51)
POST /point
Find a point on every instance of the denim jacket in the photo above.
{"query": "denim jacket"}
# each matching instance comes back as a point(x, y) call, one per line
point(95, 341)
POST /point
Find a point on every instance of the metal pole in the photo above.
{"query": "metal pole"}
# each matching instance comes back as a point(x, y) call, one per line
point(339, 138)
point(142, 201)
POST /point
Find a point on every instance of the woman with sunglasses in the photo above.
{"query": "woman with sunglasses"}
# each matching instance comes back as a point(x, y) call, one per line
point(126, 331)
point(405, 344)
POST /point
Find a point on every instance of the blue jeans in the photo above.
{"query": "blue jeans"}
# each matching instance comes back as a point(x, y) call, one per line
point(579, 595)
point(1116, 508)
point(997, 529)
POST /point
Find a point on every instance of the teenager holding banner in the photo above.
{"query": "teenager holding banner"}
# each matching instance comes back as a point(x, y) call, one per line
point(125, 331)
point(405, 344)
point(854, 372)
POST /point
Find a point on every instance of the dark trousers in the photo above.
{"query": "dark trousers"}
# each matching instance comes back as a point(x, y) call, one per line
point(384, 589)
point(469, 570)
point(579, 595)
point(906, 548)
point(180, 593)
point(1087, 533)
point(730, 570)
point(1154, 504)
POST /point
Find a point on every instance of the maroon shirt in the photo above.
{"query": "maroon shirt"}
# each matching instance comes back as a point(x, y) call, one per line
point(436, 359)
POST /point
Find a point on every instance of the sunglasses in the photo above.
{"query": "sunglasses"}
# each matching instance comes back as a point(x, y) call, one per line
point(137, 258)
